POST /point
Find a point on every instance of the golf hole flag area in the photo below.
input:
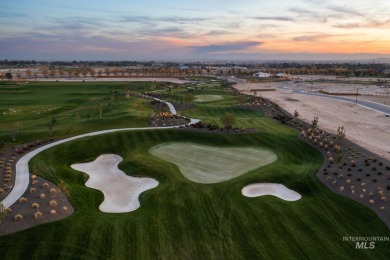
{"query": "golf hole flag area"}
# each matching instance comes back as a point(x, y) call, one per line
point(212, 164)
point(207, 98)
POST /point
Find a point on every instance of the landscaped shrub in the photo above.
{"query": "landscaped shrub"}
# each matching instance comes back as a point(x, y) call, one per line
point(53, 212)
point(22, 199)
point(35, 205)
point(53, 203)
point(42, 195)
point(18, 217)
point(32, 190)
point(38, 215)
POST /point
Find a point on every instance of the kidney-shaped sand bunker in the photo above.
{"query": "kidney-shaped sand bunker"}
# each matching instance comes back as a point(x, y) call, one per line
point(211, 164)
point(120, 191)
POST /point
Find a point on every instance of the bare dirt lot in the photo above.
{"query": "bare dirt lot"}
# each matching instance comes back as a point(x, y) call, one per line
point(365, 127)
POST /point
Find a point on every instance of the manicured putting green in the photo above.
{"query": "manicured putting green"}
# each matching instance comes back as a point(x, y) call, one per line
point(212, 164)
point(206, 98)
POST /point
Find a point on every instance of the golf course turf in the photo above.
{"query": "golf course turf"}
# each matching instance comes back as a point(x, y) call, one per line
point(211, 164)
point(182, 219)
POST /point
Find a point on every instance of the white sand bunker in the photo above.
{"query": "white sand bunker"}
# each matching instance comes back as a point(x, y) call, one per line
point(211, 164)
point(120, 191)
point(206, 98)
point(274, 189)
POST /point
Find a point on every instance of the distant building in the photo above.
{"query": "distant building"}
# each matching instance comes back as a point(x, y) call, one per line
point(262, 75)
point(283, 75)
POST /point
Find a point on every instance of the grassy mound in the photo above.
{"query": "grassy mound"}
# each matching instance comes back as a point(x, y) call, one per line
point(212, 164)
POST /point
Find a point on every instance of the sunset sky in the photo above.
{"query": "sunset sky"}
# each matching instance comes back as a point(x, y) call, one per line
point(194, 29)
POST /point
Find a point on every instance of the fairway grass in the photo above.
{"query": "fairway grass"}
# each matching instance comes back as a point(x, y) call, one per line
point(212, 164)
point(120, 191)
point(273, 189)
point(182, 219)
point(207, 98)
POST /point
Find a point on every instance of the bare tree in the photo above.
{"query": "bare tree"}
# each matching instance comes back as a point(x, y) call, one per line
point(314, 122)
point(3, 212)
point(99, 108)
point(340, 134)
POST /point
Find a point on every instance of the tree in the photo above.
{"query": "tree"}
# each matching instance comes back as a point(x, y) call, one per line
point(45, 72)
point(3, 212)
point(340, 134)
point(51, 124)
point(8, 75)
point(228, 120)
point(314, 122)
point(99, 108)
point(107, 71)
point(28, 73)
point(137, 105)
point(296, 114)
point(241, 99)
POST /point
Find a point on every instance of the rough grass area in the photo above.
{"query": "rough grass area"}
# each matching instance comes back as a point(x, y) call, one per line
point(212, 164)
point(207, 98)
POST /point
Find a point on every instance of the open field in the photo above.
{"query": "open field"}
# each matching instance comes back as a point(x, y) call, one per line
point(363, 126)
point(182, 219)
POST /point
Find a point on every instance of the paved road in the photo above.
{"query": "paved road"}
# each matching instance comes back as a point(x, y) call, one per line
point(22, 174)
point(365, 103)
